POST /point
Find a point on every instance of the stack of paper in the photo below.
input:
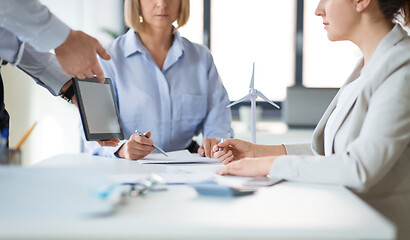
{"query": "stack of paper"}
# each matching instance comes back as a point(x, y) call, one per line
point(182, 156)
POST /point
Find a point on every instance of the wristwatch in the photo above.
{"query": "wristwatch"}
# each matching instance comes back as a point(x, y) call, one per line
point(68, 94)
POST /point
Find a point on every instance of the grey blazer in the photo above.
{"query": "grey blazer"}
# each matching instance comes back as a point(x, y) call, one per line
point(375, 124)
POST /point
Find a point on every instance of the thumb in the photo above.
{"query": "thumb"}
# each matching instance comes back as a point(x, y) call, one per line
point(148, 134)
point(102, 52)
point(226, 143)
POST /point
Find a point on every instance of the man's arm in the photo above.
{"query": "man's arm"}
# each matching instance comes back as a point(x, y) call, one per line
point(41, 66)
point(32, 22)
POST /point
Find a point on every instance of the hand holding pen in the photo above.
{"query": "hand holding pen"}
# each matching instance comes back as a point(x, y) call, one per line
point(137, 146)
point(155, 146)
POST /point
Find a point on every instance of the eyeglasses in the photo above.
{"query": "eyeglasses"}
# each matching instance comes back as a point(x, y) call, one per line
point(153, 183)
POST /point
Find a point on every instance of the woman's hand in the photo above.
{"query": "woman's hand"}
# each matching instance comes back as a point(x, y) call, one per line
point(248, 167)
point(109, 143)
point(232, 150)
point(136, 147)
point(206, 148)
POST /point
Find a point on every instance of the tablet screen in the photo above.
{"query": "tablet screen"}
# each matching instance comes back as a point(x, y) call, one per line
point(98, 109)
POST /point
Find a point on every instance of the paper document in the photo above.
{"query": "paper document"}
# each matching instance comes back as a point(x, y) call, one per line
point(182, 156)
point(172, 176)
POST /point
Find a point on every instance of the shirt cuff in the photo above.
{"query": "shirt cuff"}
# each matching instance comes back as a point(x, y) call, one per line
point(106, 151)
point(298, 149)
point(19, 54)
point(44, 68)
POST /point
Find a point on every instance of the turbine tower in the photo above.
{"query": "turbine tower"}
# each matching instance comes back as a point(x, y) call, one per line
point(252, 96)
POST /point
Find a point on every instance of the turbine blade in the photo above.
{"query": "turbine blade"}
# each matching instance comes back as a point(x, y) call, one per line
point(240, 100)
point(266, 99)
point(253, 75)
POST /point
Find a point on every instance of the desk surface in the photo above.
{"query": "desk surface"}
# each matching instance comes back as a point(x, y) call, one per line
point(284, 211)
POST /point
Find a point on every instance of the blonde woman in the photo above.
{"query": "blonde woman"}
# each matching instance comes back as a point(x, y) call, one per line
point(363, 139)
point(165, 85)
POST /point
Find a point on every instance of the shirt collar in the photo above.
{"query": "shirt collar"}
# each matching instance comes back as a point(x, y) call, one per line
point(175, 52)
point(133, 44)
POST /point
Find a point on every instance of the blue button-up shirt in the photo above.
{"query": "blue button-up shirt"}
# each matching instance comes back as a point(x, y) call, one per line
point(175, 103)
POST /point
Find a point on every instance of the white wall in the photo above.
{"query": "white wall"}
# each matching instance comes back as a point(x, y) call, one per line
point(57, 130)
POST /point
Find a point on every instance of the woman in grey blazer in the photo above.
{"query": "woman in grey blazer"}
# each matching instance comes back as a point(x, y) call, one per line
point(363, 139)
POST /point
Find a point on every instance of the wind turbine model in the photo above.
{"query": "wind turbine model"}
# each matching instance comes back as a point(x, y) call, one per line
point(253, 95)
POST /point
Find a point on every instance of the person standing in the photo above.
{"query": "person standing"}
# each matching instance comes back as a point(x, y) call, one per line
point(28, 30)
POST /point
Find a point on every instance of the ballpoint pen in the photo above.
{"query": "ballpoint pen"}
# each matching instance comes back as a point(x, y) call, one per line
point(222, 140)
point(155, 146)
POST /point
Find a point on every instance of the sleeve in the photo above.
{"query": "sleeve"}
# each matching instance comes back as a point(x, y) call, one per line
point(44, 68)
point(95, 149)
point(32, 22)
point(298, 149)
point(11, 47)
point(218, 120)
point(384, 136)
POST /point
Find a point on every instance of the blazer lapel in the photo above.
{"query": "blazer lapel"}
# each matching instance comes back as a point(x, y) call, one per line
point(376, 74)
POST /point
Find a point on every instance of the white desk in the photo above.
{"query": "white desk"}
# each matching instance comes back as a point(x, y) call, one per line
point(284, 211)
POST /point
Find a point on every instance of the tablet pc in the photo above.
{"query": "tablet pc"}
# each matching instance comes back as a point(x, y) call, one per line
point(98, 109)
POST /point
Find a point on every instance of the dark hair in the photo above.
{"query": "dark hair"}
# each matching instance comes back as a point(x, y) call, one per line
point(395, 8)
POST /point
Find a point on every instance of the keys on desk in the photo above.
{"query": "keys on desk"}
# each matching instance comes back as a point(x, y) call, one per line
point(154, 183)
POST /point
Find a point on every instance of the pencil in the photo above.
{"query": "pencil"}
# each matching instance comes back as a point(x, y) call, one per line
point(20, 143)
point(24, 138)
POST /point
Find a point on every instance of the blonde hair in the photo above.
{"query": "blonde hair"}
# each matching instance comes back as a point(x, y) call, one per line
point(132, 14)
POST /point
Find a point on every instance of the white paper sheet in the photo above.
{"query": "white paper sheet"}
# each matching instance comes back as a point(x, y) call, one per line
point(182, 156)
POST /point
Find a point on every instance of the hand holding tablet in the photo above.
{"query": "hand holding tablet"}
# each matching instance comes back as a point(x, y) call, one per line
point(98, 110)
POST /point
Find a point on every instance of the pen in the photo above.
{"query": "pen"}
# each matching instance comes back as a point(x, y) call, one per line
point(3, 141)
point(222, 140)
point(155, 146)
point(3, 146)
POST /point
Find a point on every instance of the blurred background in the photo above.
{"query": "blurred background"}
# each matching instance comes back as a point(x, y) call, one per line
point(285, 39)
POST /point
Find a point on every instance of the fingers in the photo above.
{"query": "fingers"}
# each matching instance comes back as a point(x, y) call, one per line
point(109, 143)
point(97, 68)
point(74, 100)
point(201, 151)
point(78, 56)
point(134, 150)
point(102, 52)
point(98, 72)
point(141, 139)
point(148, 134)
point(223, 157)
point(228, 158)
point(227, 142)
point(80, 76)
point(207, 147)
point(233, 168)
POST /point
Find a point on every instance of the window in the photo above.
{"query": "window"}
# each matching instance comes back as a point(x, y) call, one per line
point(325, 63)
point(260, 31)
point(193, 30)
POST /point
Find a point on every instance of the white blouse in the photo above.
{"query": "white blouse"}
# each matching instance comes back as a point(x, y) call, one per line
point(346, 92)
